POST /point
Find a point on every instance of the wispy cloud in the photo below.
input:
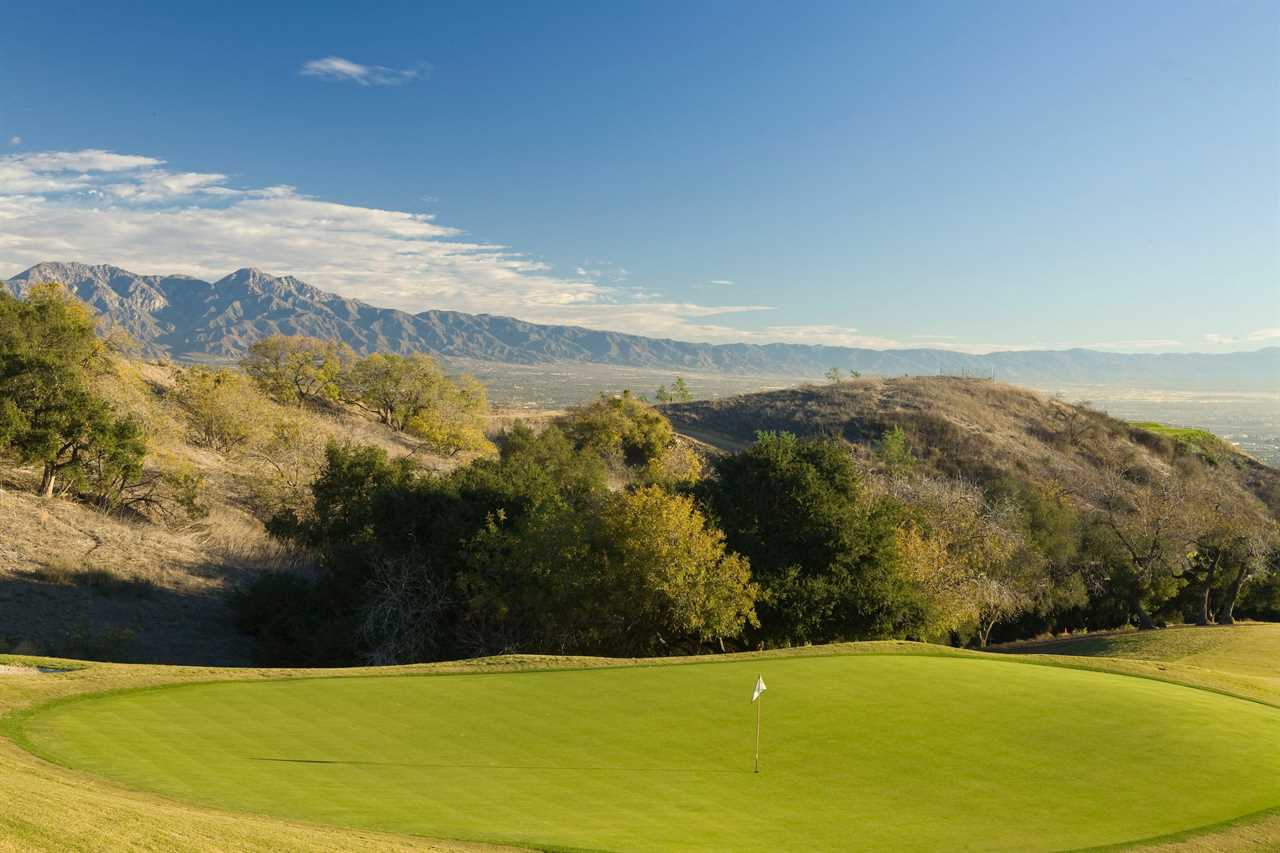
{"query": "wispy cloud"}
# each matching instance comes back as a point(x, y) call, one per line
point(136, 212)
point(1251, 338)
point(1145, 343)
point(15, 140)
point(338, 69)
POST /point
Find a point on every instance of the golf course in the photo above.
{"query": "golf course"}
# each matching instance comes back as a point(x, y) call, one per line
point(885, 746)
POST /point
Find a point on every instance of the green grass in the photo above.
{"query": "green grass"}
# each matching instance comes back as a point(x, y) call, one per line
point(1244, 658)
point(1200, 441)
point(871, 751)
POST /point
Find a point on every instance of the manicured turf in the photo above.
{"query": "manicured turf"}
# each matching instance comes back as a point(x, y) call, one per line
point(873, 752)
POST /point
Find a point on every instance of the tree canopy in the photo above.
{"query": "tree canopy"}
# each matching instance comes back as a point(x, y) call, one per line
point(296, 368)
point(49, 414)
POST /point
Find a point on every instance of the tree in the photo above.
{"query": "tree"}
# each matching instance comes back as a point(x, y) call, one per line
point(1075, 422)
point(110, 470)
point(412, 394)
point(676, 467)
point(679, 392)
point(669, 573)
point(287, 458)
point(834, 375)
point(48, 413)
point(969, 554)
point(393, 387)
point(894, 450)
point(821, 547)
point(1232, 535)
point(297, 369)
point(453, 419)
point(621, 427)
point(1250, 555)
point(223, 409)
point(1148, 526)
point(627, 573)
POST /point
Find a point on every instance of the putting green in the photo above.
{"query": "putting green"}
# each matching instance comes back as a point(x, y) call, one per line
point(862, 751)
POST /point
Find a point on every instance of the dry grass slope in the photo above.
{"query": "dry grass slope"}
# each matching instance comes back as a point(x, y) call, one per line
point(78, 583)
point(966, 427)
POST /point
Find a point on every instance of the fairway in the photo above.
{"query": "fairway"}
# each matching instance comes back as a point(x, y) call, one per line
point(860, 751)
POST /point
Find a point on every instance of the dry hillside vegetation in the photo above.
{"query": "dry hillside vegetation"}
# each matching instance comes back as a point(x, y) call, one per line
point(150, 582)
point(975, 429)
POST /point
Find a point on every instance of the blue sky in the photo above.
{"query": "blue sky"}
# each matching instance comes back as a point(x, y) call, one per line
point(974, 175)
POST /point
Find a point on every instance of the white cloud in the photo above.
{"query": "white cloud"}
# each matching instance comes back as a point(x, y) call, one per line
point(337, 69)
point(1254, 337)
point(15, 140)
point(101, 207)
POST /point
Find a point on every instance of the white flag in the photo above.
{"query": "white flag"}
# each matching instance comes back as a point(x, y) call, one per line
point(760, 688)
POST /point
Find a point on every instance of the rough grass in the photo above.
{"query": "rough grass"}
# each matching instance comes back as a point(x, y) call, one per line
point(1245, 655)
point(671, 755)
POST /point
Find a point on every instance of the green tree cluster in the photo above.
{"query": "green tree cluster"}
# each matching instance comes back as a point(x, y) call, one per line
point(564, 543)
point(678, 393)
point(820, 543)
point(49, 414)
point(529, 550)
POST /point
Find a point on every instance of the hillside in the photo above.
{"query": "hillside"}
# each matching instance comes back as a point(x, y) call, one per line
point(973, 428)
point(136, 586)
point(189, 319)
point(79, 583)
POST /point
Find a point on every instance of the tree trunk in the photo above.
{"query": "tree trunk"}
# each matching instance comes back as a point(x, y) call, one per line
point(1226, 607)
point(1208, 588)
point(984, 632)
point(1145, 622)
point(1203, 618)
point(46, 480)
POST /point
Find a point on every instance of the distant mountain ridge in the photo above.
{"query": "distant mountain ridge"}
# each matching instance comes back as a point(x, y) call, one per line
point(194, 320)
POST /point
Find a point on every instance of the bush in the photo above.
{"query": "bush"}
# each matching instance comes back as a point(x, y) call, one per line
point(222, 407)
point(621, 427)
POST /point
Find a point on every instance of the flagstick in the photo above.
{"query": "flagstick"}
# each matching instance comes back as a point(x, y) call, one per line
point(759, 703)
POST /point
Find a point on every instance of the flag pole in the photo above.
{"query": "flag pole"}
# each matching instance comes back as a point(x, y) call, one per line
point(759, 703)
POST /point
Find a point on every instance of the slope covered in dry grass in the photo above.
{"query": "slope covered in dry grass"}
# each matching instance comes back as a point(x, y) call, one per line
point(147, 585)
point(972, 428)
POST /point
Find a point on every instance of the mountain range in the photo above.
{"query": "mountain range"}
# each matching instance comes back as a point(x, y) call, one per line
point(189, 319)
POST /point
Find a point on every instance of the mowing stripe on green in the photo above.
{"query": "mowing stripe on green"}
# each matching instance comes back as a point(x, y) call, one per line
point(858, 752)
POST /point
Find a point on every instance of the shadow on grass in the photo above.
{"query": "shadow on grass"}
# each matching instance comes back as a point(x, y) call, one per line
point(501, 766)
point(95, 615)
